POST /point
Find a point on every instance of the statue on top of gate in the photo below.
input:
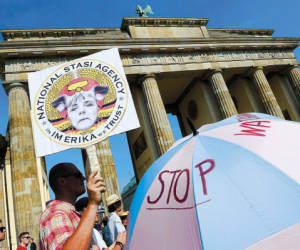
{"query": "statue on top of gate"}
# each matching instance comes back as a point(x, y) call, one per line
point(143, 12)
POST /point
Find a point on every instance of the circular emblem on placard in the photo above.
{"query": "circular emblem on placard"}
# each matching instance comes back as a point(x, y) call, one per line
point(81, 102)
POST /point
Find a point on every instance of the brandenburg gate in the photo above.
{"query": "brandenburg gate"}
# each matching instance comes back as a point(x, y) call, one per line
point(173, 65)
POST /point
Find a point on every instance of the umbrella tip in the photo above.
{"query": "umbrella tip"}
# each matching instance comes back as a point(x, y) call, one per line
point(195, 132)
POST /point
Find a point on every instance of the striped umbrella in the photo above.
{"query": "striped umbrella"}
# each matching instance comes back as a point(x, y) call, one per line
point(232, 185)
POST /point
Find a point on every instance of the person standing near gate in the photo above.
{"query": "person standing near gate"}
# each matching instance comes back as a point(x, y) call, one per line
point(114, 223)
point(24, 239)
point(80, 206)
point(32, 244)
point(123, 216)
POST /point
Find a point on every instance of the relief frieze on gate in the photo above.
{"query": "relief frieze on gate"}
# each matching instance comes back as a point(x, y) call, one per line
point(204, 56)
point(34, 64)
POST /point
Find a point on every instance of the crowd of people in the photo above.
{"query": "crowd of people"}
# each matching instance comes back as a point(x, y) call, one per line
point(68, 223)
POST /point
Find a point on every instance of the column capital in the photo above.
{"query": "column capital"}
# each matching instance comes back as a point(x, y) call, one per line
point(141, 77)
point(10, 85)
point(295, 65)
point(290, 67)
point(210, 72)
point(251, 70)
point(257, 67)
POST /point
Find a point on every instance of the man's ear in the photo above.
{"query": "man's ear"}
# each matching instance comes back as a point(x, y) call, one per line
point(61, 181)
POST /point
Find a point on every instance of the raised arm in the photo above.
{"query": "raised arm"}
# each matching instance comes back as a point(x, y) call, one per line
point(81, 238)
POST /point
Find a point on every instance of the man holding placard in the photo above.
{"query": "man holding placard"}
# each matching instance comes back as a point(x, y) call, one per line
point(61, 227)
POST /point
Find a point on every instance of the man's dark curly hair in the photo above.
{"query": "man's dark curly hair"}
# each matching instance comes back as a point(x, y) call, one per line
point(57, 171)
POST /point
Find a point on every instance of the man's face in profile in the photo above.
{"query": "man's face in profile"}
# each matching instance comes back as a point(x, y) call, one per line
point(74, 180)
point(2, 232)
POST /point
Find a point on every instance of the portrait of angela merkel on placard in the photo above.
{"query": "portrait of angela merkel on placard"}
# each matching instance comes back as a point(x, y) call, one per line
point(80, 101)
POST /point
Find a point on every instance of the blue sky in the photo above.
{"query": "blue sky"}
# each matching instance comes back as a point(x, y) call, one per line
point(282, 16)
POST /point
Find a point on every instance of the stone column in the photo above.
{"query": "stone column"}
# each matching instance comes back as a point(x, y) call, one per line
point(158, 117)
point(265, 92)
point(222, 94)
point(108, 171)
point(27, 193)
point(294, 77)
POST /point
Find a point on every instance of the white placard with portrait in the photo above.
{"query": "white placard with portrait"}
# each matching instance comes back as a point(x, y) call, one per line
point(80, 103)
